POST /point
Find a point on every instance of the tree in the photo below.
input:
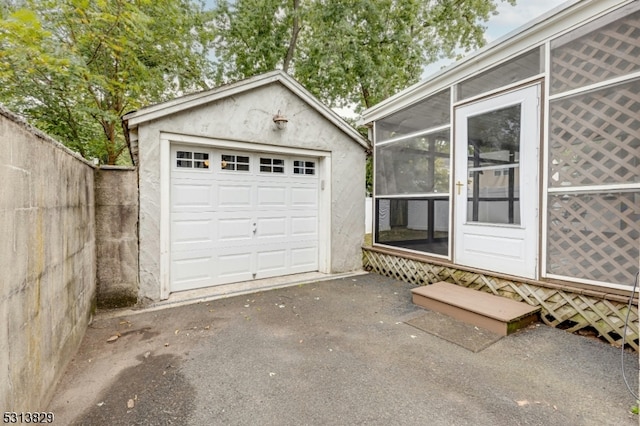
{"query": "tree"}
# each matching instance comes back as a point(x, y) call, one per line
point(346, 52)
point(74, 67)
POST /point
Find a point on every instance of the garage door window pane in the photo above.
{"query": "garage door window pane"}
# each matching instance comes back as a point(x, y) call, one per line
point(242, 163)
point(201, 160)
point(304, 167)
point(235, 162)
point(271, 165)
point(184, 159)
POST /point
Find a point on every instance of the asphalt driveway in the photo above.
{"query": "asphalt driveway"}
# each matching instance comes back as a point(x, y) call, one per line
point(334, 352)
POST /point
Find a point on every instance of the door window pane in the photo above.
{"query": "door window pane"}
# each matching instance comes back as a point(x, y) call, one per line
point(493, 184)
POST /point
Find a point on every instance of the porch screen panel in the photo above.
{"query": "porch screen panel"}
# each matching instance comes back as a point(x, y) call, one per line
point(594, 236)
point(593, 214)
point(418, 165)
point(415, 224)
point(430, 113)
point(595, 137)
point(597, 52)
point(519, 68)
point(411, 182)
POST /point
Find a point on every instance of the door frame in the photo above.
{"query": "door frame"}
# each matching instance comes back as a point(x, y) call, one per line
point(324, 198)
point(531, 224)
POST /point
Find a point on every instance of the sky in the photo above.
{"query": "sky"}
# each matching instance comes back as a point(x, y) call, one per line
point(511, 17)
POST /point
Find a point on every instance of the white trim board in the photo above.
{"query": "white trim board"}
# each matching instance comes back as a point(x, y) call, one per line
point(556, 22)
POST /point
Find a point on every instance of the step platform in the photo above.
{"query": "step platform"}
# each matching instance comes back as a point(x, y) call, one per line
point(494, 313)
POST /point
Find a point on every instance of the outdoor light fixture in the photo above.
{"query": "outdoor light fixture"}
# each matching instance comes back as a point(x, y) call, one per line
point(280, 120)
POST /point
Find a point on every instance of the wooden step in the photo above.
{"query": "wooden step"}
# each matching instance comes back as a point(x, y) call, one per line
point(494, 313)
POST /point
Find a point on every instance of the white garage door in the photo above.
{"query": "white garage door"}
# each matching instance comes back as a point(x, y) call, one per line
point(238, 216)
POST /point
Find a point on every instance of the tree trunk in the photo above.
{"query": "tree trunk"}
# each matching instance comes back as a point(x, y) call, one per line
point(294, 36)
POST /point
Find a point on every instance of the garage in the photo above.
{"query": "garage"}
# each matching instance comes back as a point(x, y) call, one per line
point(244, 187)
point(238, 216)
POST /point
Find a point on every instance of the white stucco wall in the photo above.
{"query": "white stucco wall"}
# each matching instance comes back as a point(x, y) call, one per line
point(247, 117)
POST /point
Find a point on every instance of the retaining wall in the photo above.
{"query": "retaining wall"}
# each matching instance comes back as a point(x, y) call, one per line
point(47, 259)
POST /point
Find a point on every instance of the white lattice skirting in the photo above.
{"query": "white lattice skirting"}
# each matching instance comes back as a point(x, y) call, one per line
point(561, 308)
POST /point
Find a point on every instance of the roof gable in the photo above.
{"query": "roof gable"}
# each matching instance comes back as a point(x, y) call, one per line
point(133, 119)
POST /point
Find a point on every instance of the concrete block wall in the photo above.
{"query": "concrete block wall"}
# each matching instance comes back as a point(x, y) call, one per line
point(116, 190)
point(47, 259)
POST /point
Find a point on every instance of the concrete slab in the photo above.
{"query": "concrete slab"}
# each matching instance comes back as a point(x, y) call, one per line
point(333, 353)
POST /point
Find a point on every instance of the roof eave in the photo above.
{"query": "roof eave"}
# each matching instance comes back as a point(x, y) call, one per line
point(517, 41)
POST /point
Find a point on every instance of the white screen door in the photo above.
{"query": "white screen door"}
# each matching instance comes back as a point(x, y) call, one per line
point(496, 183)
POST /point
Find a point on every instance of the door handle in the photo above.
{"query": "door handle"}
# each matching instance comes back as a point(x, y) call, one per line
point(460, 184)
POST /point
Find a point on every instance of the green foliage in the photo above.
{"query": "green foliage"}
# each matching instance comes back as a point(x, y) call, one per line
point(251, 36)
point(74, 67)
point(346, 52)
